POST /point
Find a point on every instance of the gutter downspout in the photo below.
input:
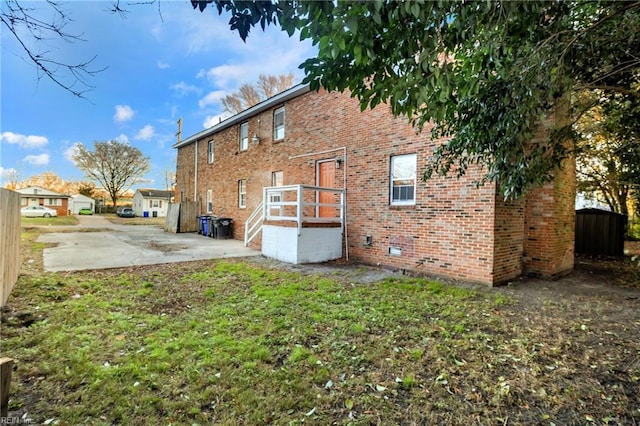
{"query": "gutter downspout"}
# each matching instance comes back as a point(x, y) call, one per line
point(344, 186)
point(195, 173)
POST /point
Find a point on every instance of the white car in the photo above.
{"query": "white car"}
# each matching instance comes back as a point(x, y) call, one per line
point(38, 211)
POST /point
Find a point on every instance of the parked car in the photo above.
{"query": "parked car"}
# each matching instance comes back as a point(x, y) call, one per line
point(127, 212)
point(38, 211)
point(119, 210)
point(85, 210)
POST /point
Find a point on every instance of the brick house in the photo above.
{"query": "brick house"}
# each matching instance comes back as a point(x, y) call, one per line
point(387, 215)
point(36, 196)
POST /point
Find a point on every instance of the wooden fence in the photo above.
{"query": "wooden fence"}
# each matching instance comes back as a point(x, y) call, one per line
point(600, 233)
point(9, 241)
point(182, 217)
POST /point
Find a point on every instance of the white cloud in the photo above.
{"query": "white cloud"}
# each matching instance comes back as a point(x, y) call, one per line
point(207, 34)
point(212, 120)
point(163, 65)
point(146, 133)
point(265, 52)
point(231, 75)
point(184, 89)
point(212, 98)
point(37, 160)
point(23, 141)
point(122, 138)
point(69, 152)
point(123, 113)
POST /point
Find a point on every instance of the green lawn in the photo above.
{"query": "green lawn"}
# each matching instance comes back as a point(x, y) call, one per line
point(229, 342)
point(49, 221)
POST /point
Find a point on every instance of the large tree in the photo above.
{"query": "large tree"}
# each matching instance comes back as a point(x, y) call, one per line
point(484, 73)
point(251, 94)
point(114, 165)
point(608, 157)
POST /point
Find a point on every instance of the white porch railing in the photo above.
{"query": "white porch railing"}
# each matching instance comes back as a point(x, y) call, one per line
point(299, 204)
point(253, 225)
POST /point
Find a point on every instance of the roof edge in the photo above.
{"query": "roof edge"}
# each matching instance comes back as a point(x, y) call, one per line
point(291, 93)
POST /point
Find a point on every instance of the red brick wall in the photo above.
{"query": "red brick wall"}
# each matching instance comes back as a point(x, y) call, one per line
point(549, 231)
point(550, 225)
point(508, 239)
point(455, 229)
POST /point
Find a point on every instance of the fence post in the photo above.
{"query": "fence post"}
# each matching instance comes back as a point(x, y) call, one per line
point(6, 365)
point(299, 209)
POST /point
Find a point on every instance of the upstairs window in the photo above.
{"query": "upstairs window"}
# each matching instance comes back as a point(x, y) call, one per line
point(210, 152)
point(403, 179)
point(244, 136)
point(278, 124)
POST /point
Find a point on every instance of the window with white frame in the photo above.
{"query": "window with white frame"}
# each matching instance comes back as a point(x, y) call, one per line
point(242, 193)
point(210, 151)
point(54, 202)
point(277, 179)
point(278, 124)
point(210, 201)
point(244, 136)
point(403, 179)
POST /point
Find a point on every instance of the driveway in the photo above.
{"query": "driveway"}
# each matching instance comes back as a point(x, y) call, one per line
point(96, 243)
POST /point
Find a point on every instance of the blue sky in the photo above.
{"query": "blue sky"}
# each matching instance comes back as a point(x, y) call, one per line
point(160, 67)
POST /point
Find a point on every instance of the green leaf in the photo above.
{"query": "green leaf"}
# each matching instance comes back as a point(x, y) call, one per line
point(357, 53)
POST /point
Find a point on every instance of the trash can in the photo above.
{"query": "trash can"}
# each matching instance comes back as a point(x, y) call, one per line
point(222, 227)
point(145, 214)
point(210, 228)
point(204, 227)
point(154, 214)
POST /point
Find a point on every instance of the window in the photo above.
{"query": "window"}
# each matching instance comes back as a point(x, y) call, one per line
point(244, 136)
point(242, 193)
point(54, 202)
point(155, 203)
point(278, 124)
point(403, 179)
point(210, 201)
point(210, 151)
point(277, 179)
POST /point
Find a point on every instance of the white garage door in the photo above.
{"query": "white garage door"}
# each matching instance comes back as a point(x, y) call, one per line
point(77, 205)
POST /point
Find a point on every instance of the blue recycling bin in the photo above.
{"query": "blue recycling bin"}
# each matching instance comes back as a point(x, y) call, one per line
point(205, 225)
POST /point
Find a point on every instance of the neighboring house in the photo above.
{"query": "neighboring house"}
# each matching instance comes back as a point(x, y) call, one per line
point(262, 168)
point(151, 202)
point(82, 202)
point(36, 196)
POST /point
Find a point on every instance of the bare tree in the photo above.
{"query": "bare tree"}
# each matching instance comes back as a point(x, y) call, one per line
point(23, 21)
point(270, 85)
point(115, 166)
point(249, 95)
